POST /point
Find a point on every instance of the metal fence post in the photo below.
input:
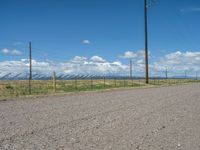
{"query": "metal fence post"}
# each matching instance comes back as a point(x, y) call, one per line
point(104, 81)
point(54, 81)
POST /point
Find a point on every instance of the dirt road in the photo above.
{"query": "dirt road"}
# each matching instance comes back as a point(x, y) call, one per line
point(143, 119)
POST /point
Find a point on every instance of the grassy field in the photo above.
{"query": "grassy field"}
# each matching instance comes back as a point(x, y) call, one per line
point(17, 88)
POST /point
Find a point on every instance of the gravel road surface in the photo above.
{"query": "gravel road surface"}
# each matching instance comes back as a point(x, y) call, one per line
point(166, 118)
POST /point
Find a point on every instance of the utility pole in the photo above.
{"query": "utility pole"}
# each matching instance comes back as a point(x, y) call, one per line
point(131, 70)
point(196, 75)
point(146, 41)
point(185, 74)
point(30, 65)
point(166, 73)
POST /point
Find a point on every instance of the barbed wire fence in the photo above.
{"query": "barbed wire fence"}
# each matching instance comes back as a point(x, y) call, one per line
point(55, 81)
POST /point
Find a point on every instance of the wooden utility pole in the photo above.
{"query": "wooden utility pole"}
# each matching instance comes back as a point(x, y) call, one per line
point(146, 41)
point(185, 74)
point(30, 65)
point(166, 73)
point(196, 75)
point(131, 70)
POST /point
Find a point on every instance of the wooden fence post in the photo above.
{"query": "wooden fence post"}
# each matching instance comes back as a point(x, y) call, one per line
point(76, 83)
point(91, 83)
point(132, 81)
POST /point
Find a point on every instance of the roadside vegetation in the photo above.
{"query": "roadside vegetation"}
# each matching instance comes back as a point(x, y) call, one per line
point(10, 89)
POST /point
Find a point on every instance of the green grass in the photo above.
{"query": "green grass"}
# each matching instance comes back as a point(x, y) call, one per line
point(18, 88)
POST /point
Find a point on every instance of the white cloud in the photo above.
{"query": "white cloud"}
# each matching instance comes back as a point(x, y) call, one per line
point(133, 54)
point(17, 43)
point(176, 62)
point(5, 51)
point(78, 59)
point(16, 52)
point(190, 9)
point(196, 9)
point(11, 52)
point(77, 66)
point(179, 62)
point(86, 42)
point(97, 59)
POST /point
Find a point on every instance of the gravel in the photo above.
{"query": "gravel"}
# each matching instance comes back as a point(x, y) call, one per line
point(141, 119)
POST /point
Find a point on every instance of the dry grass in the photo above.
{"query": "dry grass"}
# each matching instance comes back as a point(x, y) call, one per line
point(42, 87)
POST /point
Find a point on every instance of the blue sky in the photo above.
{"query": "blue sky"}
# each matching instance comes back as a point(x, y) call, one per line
point(58, 28)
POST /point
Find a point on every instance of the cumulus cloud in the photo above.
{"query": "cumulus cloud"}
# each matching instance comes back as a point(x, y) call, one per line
point(132, 54)
point(10, 52)
point(86, 42)
point(78, 59)
point(77, 66)
point(97, 59)
point(179, 62)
